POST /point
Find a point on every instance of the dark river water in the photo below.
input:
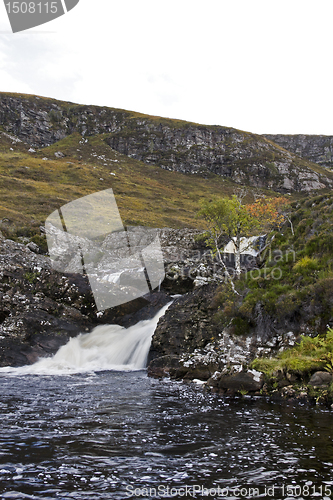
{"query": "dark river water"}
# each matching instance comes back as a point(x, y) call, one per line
point(116, 435)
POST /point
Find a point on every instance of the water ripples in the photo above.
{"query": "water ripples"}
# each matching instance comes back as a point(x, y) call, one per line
point(92, 436)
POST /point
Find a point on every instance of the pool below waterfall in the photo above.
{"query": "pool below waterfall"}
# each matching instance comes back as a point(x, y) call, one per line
point(117, 435)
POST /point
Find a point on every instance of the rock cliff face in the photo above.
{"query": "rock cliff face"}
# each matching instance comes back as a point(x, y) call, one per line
point(174, 145)
point(244, 158)
point(40, 308)
point(316, 148)
point(188, 343)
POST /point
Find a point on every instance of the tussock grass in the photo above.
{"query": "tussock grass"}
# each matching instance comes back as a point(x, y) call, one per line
point(32, 187)
point(309, 355)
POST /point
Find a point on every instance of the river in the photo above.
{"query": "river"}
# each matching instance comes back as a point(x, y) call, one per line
point(90, 434)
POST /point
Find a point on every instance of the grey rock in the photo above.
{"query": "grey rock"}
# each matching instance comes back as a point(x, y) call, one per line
point(288, 392)
point(316, 148)
point(187, 148)
point(321, 379)
point(198, 149)
point(40, 309)
point(186, 325)
point(33, 247)
point(202, 372)
point(247, 381)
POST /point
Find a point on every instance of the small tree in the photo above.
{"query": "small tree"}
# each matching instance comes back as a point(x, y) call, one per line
point(216, 214)
point(232, 218)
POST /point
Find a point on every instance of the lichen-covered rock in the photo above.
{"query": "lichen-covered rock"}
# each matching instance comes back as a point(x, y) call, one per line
point(189, 331)
point(186, 325)
point(181, 146)
point(40, 309)
point(188, 262)
point(288, 392)
point(316, 148)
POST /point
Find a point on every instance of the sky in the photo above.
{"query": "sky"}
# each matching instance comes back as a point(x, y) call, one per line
point(262, 66)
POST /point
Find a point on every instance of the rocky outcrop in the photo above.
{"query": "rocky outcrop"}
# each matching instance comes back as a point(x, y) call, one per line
point(33, 120)
point(40, 308)
point(186, 325)
point(188, 262)
point(191, 330)
point(316, 148)
point(190, 344)
point(242, 157)
point(181, 146)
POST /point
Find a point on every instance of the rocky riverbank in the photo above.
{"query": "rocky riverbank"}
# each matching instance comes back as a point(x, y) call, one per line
point(40, 308)
point(189, 346)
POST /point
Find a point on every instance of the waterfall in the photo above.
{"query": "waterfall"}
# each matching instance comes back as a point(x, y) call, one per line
point(106, 347)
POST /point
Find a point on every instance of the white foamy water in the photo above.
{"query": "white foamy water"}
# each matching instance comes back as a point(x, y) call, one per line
point(107, 347)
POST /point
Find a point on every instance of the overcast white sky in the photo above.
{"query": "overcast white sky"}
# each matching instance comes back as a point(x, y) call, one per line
point(264, 66)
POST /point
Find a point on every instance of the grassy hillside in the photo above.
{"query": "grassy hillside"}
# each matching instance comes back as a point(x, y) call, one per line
point(35, 181)
point(33, 184)
point(294, 285)
point(173, 145)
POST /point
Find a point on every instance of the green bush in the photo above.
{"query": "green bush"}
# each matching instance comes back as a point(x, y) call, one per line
point(240, 326)
point(306, 264)
point(309, 355)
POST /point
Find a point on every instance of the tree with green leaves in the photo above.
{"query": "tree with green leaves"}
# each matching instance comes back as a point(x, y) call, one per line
point(231, 218)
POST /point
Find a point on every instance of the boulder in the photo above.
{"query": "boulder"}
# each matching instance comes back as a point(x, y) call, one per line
point(321, 379)
point(250, 381)
point(199, 372)
point(161, 367)
point(33, 247)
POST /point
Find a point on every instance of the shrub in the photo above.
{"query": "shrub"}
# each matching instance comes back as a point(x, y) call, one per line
point(306, 264)
point(309, 355)
point(240, 326)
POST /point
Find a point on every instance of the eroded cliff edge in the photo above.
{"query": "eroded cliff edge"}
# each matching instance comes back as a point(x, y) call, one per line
point(316, 148)
point(176, 145)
